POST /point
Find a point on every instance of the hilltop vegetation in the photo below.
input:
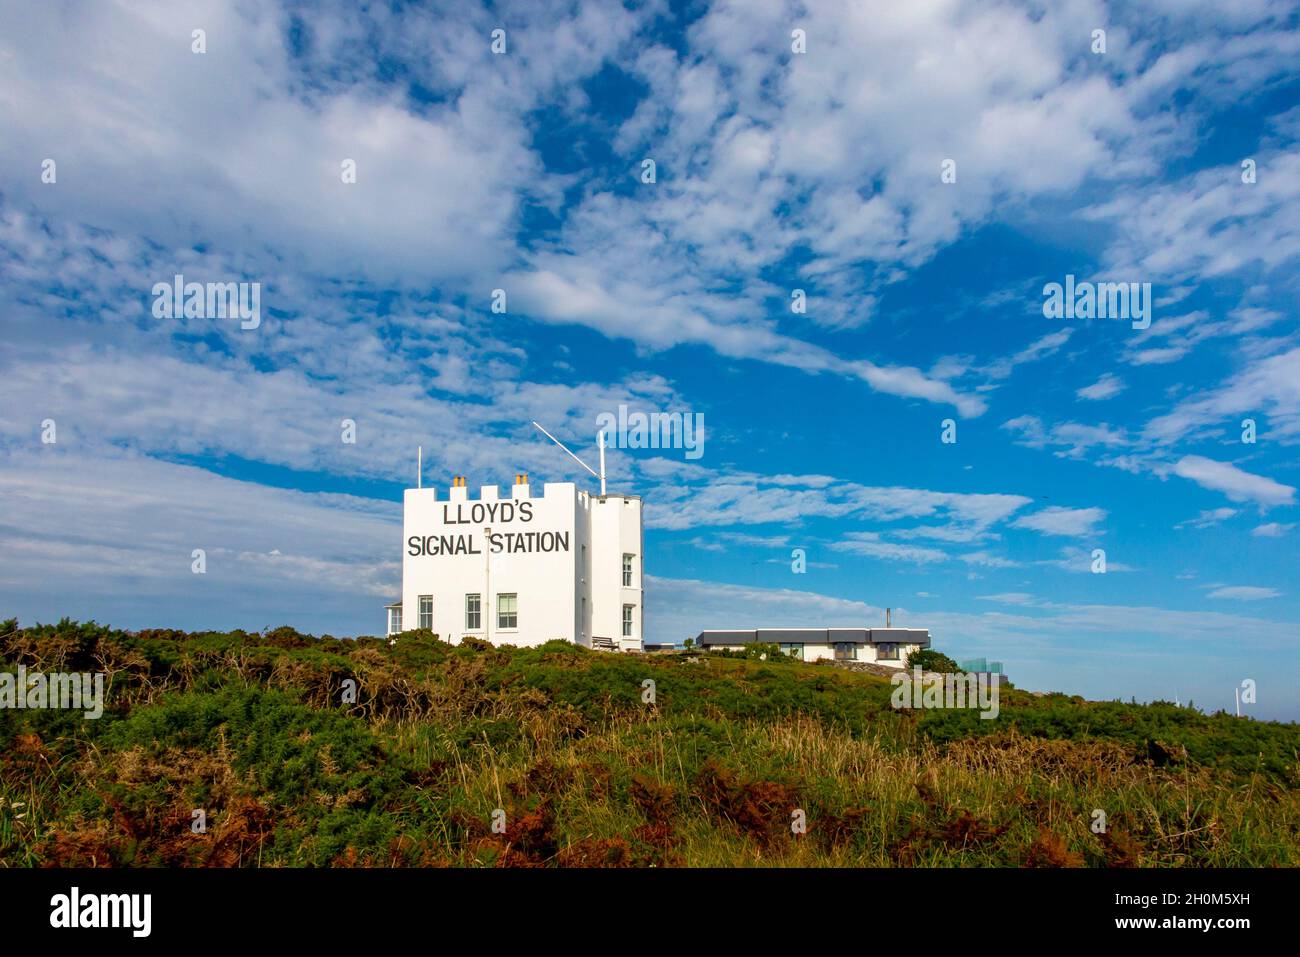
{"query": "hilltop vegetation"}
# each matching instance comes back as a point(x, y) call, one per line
point(257, 732)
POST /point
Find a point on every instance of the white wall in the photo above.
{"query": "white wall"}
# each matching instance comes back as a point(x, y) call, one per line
point(542, 580)
point(616, 530)
point(550, 585)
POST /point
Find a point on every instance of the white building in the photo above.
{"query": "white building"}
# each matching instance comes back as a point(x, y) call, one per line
point(890, 647)
point(525, 569)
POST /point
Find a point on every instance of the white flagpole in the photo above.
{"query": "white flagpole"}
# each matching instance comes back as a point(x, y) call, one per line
point(602, 463)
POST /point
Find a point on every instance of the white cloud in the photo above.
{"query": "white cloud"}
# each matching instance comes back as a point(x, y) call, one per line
point(870, 545)
point(113, 92)
point(1011, 598)
point(1237, 484)
point(603, 289)
point(1271, 530)
point(985, 559)
point(690, 498)
point(1269, 385)
point(124, 395)
point(1211, 224)
point(1170, 338)
point(1073, 439)
point(1080, 561)
point(1040, 348)
point(1209, 517)
point(1060, 520)
point(1244, 593)
point(1107, 387)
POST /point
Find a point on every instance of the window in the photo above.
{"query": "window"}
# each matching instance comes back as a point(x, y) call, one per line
point(394, 621)
point(887, 652)
point(627, 571)
point(508, 611)
point(426, 612)
point(627, 620)
point(846, 651)
point(793, 650)
point(473, 613)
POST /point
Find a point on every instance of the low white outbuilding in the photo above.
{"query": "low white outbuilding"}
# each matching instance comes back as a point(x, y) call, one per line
point(890, 647)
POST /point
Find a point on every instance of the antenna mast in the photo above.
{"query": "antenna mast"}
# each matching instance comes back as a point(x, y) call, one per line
point(601, 436)
point(601, 474)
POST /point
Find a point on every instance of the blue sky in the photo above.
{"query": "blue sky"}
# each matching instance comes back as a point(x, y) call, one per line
point(775, 171)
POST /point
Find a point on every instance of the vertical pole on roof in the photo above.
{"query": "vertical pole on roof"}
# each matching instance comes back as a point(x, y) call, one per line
point(419, 466)
point(602, 463)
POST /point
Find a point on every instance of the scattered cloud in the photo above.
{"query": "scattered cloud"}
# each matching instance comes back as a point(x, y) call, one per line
point(1244, 593)
point(1238, 484)
point(1205, 519)
point(1107, 387)
point(1271, 530)
point(1060, 520)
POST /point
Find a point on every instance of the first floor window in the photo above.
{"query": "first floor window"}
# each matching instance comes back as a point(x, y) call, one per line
point(845, 651)
point(887, 652)
point(394, 621)
point(426, 611)
point(627, 570)
point(793, 650)
point(473, 613)
point(508, 611)
point(627, 620)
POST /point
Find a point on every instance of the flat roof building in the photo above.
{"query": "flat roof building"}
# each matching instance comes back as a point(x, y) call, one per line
point(522, 570)
point(884, 646)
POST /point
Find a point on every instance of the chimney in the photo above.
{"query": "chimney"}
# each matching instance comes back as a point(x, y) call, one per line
point(887, 611)
point(458, 481)
point(521, 479)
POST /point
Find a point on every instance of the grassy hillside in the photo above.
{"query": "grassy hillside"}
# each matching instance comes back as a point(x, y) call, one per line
point(253, 730)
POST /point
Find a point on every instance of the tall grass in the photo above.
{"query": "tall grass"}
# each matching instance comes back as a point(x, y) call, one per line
point(556, 745)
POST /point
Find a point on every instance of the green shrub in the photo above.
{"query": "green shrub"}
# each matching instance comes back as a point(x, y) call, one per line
point(927, 659)
point(250, 727)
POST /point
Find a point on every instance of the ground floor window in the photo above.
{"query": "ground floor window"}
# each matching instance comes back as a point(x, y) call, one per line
point(426, 611)
point(473, 613)
point(846, 651)
point(508, 611)
point(792, 650)
point(627, 620)
point(394, 621)
point(887, 652)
